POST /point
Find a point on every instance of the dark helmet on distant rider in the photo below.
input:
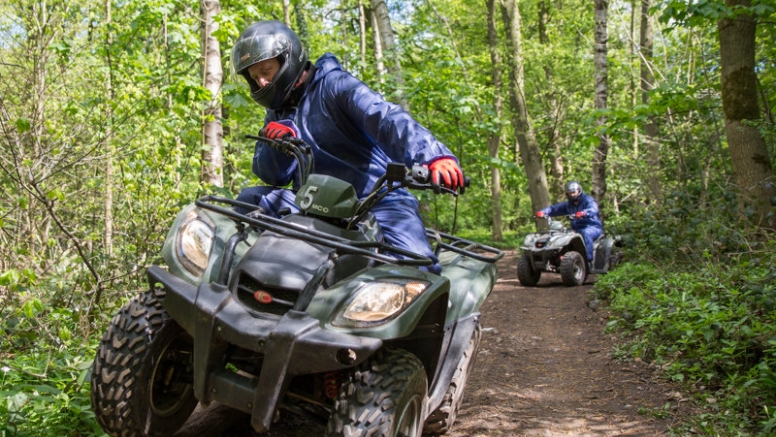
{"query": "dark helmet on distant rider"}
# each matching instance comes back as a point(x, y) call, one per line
point(573, 191)
point(266, 40)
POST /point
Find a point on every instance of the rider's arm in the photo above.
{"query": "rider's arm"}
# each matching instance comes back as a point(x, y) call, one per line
point(557, 209)
point(589, 205)
point(392, 128)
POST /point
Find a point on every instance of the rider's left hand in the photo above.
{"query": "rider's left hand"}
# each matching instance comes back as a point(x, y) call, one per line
point(580, 214)
point(450, 172)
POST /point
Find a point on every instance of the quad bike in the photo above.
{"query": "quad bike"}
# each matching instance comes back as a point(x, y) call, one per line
point(562, 250)
point(310, 313)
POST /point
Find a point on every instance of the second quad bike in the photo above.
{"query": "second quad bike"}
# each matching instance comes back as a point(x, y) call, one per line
point(310, 312)
point(562, 250)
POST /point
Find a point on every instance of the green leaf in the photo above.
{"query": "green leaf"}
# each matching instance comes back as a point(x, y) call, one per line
point(23, 125)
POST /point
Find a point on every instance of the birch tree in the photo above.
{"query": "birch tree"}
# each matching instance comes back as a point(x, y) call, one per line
point(212, 75)
point(601, 96)
point(389, 46)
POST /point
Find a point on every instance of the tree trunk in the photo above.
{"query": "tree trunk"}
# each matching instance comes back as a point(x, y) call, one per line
point(109, 152)
point(528, 147)
point(389, 47)
point(362, 28)
point(212, 130)
point(750, 159)
point(379, 64)
point(494, 138)
point(651, 131)
point(601, 96)
point(286, 13)
point(554, 112)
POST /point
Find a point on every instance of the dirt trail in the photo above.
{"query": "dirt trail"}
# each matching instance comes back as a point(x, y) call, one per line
point(543, 369)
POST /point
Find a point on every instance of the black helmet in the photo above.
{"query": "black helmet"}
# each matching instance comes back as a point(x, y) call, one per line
point(573, 191)
point(267, 40)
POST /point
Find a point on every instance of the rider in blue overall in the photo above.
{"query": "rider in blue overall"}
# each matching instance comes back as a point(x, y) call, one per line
point(585, 210)
point(353, 132)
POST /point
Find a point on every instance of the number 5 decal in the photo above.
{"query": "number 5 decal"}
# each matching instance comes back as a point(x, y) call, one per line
point(307, 197)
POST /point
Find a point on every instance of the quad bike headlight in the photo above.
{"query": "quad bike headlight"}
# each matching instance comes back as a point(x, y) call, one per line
point(195, 239)
point(378, 302)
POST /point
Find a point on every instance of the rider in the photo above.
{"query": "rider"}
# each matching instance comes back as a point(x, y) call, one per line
point(353, 132)
point(584, 208)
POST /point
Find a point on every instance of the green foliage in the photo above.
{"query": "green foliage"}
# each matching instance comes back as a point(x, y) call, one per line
point(703, 311)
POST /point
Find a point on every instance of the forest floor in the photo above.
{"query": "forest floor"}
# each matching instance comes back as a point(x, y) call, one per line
point(544, 368)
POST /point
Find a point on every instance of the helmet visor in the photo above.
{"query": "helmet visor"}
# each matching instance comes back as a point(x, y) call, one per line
point(254, 49)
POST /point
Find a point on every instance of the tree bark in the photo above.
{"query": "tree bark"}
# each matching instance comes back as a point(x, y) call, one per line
point(528, 147)
point(601, 96)
point(554, 111)
point(212, 130)
point(750, 159)
point(651, 131)
point(494, 138)
point(389, 47)
point(109, 152)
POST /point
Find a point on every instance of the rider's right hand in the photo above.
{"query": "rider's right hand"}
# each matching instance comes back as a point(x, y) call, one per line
point(277, 131)
point(540, 214)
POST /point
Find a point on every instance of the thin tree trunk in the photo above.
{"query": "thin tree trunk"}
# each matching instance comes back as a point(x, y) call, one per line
point(553, 109)
point(362, 28)
point(379, 64)
point(651, 131)
point(494, 138)
point(528, 147)
point(286, 13)
point(212, 130)
point(108, 231)
point(383, 19)
point(749, 154)
point(601, 96)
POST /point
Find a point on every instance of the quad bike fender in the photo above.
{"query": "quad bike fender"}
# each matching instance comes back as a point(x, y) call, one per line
point(293, 344)
point(456, 340)
point(472, 281)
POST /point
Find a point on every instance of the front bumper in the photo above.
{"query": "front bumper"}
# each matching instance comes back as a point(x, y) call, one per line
point(542, 259)
point(293, 344)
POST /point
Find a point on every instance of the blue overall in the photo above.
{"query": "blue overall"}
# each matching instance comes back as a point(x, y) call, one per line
point(354, 133)
point(589, 226)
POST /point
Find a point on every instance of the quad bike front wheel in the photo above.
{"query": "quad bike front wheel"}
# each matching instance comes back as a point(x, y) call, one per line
point(572, 269)
point(527, 275)
point(141, 382)
point(385, 397)
point(443, 418)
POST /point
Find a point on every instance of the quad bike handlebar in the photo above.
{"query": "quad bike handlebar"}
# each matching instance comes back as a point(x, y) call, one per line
point(418, 178)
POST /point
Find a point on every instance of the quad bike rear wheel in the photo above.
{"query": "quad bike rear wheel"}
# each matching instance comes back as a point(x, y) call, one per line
point(572, 269)
point(527, 275)
point(141, 377)
point(443, 418)
point(384, 398)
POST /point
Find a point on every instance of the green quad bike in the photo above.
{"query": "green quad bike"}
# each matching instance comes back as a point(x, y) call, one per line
point(560, 249)
point(308, 313)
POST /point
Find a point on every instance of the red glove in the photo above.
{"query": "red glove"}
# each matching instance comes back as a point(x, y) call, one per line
point(276, 131)
point(540, 214)
point(580, 214)
point(452, 175)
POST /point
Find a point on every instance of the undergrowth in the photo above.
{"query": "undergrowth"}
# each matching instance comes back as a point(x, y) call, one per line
point(696, 301)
